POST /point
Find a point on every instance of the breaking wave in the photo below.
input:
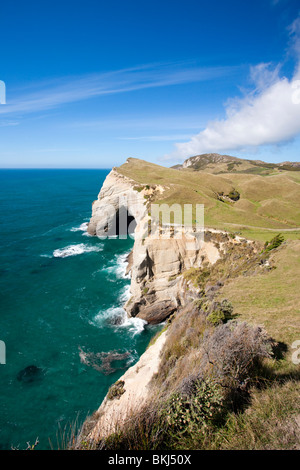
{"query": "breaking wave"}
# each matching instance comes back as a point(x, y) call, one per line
point(74, 250)
point(117, 317)
point(81, 228)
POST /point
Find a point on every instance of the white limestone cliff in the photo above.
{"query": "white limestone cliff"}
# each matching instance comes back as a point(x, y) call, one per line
point(157, 287)
point(156, 261)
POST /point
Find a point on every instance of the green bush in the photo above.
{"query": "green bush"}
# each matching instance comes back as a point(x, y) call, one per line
point(274, 243)
point(222, 313)
point(187, 413)
point(234, 195)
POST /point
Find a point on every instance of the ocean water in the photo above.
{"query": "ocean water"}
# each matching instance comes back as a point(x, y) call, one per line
point(61, 297)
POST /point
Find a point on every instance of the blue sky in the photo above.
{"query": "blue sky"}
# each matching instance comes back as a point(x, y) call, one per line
point(91, 83)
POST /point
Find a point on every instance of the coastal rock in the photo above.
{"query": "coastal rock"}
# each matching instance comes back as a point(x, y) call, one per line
point(157, 260)
point(117, 194)
point(157, 288)
point(157, 312)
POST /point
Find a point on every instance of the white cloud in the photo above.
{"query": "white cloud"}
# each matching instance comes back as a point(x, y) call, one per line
point(269, 114)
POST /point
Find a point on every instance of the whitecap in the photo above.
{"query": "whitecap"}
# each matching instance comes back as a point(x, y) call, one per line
point(117, 317)
point(86, 234)
point(73, 250)
point(125, 294)
point(133, 324)
point(112, 315)
point(81, 228)
point(121, 267)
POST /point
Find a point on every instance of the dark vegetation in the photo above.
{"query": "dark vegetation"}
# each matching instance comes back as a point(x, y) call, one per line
point(274, 243)
point(232, 196)
point(116, 390)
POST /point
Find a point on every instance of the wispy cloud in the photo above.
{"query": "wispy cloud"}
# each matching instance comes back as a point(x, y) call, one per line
point(55, 93)
point(156, 122)
point(9, 123)
point(158, 138)
point(268, 114)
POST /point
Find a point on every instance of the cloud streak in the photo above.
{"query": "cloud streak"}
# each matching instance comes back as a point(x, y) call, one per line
point(269, 114)
point(158, 138)
point(52, 94)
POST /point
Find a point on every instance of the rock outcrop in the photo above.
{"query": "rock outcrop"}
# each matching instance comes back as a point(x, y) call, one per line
point(157, 288)
point(117, 193)
point(156, 260)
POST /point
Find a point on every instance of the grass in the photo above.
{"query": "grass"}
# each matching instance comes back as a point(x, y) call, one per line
point(271, 299)
point(260, 406)
point(263, 235)
point(268, 202)
point(272, 421)
point(257, 284)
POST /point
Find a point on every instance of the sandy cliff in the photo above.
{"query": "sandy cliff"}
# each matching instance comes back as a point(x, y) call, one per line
point(156, 260)
point(114, 410)
point(158, 288)
point(116, 193)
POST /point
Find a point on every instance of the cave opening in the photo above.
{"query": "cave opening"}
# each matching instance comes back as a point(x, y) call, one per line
point(123, 224)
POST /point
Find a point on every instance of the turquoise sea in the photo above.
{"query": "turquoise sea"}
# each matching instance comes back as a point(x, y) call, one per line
point(61, 297)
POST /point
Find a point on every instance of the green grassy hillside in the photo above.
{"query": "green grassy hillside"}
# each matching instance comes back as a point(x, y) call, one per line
point(266, 202)
point(227, 378)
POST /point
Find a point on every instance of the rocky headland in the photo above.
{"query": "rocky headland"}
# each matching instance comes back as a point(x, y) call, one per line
point(158, 287)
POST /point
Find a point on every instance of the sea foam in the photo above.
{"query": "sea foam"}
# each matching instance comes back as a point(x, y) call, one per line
point(117, 317)
point(73, 250)
point(121, 267)
point(81, 228)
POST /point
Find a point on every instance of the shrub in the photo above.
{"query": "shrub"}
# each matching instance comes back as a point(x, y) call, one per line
point(232, 351)
point(143, 429)
point(234, 195)
point(274, 243)
point(194, 407)
point(116, 390)
point(222, 313)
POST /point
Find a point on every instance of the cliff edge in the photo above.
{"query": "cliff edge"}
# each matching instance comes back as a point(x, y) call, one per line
point(158, 288)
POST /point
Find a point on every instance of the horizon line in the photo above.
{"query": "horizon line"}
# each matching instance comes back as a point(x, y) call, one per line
point(53, 168)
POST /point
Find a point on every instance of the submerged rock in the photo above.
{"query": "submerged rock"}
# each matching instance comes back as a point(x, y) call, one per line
point(116, 319)
point(106, 362)
point(29, 374)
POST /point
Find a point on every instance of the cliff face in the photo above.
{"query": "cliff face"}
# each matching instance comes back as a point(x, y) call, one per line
point(128, 394)
point(157, 287)
point(156, 261)
point(116, 193)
